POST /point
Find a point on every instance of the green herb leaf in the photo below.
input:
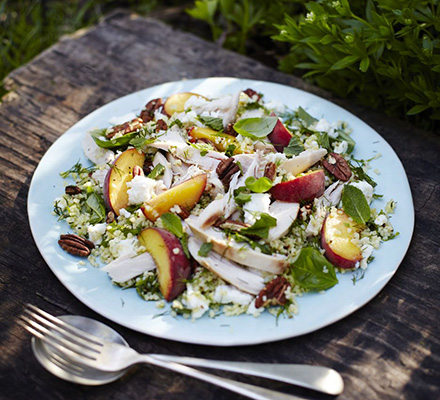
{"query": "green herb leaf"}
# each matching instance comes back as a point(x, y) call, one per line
point(172, 223)
point(229, 152)
point(255, 128)
point(242, 195)
point(362, 175)
point(205, 248)
point(76, 169)
point(184, 242)
point(261, 226)
point(260, 185)
point(312, 271)
point(346, 137)
point(355, 204)
point(305, 117)
point(212, 122)
point(294, 147)
point(158, 170)
point(97, 208)
point(98, 136)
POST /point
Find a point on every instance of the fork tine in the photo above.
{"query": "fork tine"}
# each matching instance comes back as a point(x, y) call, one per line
point(62, 344)
point(65, 333)
point(86, 336)
point(65, 364)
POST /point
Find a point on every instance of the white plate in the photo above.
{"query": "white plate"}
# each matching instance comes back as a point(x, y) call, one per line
point(92, 286)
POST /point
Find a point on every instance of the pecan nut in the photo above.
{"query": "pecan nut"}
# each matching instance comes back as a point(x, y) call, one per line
point(125, 128)
point(337, 166)
point(76, 245)
point(273, 293)
point(229, 130)
point(184, 213)
point(71, 190)
point(161, 125)
point(111, 217)
point(225, 170)
point(270, 171)
point(147, 114)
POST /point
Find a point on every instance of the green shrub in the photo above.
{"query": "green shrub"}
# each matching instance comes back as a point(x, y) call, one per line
point(386, 54)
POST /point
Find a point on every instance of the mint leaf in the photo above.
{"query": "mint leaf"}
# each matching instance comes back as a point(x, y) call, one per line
point(260, 185)
point(255, 128)
point(362, 175)
point(212, 122)
point(312, 271)
point(305, 117)
point(204, 250)
point(261, 226)
point(158, 170)
point(294, 147)
point(172, 223)
point(355, 204)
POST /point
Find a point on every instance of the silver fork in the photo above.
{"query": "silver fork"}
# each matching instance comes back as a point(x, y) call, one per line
point(88, 351)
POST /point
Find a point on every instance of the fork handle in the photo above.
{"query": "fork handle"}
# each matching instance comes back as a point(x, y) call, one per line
point(251, 391)
point(323, 379)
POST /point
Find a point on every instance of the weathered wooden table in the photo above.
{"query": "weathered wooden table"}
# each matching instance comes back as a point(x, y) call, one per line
point(388, 349)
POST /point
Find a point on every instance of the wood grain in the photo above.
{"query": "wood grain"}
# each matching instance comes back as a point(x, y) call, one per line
point(389, 349)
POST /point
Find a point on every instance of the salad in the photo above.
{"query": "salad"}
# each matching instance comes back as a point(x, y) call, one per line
point(225, 205)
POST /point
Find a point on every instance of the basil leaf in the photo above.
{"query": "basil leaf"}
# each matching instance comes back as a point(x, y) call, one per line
point(205, 248)
point(255, 128)
point(305, 117)
point(97, 207)
point(261, 226)
point(172, 223)
point(122, 141)
point(355, 204)
point(294, 147)
point(312, 271)
point(260, 185)
point(158, 170)
point(212, 122)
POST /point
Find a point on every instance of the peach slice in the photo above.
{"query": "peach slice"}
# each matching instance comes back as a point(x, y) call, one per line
point(280, 136)
point(121, 172)
point(336, 239)
point(172, 266)
point(301, 189)
point(186, 195)
point(176, 102)
point(221, 141)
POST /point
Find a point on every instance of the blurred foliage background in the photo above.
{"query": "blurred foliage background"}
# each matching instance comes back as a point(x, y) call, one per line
point(384, 54)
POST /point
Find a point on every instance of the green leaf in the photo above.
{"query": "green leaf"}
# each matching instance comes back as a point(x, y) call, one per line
point(261, 226)
point(344, 62)
point(312, 271)
point(98, 136)
point(172, 223)
point(255, 128)
point(184, 242)
point(304, 116)
point(205, 248)
point(355, 204)
point(362, 175)
point(294, 147)
point(230, 150)
point(242, 196)
point(260, 185)
point(212, 122)
point(97, 207)
point(346, 137)
point(418, 109)
point(365, 63)
point(158, 170)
